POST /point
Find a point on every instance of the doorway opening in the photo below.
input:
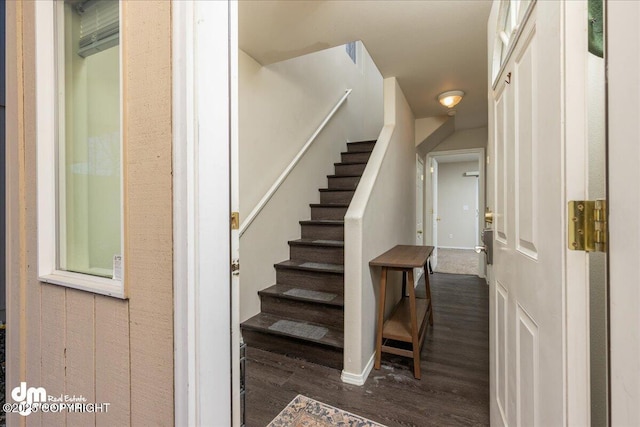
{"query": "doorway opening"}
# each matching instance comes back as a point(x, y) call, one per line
point(454, 196)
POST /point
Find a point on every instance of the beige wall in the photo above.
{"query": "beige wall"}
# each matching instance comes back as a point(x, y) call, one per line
point(74, 342)
point(280, 107)
point(431, 131)
point(457, 200)
point(381, 215)
point(464, 139)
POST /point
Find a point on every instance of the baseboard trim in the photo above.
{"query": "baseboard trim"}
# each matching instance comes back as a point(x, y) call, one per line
point(455, 247)
point(358, 379)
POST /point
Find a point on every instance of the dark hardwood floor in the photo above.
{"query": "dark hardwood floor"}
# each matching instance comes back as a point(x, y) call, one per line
point(454, 390)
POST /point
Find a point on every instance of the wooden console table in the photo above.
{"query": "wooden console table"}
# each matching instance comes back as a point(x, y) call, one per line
point(408, 320)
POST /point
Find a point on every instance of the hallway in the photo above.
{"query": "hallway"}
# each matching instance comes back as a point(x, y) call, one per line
point(454, 389)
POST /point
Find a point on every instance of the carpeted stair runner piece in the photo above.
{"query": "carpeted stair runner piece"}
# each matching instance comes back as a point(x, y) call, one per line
point(309, 294)
point(299, 329)
point(337, 268)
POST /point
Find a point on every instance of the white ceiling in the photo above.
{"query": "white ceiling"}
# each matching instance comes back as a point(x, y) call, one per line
point(431, 46)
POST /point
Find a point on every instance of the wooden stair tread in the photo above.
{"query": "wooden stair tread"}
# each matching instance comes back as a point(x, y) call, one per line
point(356, 152)
point(280, 291)
point(318, 242)
point(311, 266)
point(262, 321)
point(355, 162)
point(361, 146)
point(322, 222)
point(344, 176)
point(349, 163)
point(325, 190)
point(329, 205)
point(363, 142)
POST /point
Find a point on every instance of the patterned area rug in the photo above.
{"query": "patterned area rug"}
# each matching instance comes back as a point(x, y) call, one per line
point(306, 412)
point(457, 261)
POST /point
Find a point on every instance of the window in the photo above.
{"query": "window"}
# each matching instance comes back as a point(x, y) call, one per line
point(512, 13)
point(80, 145)
point(351, 51)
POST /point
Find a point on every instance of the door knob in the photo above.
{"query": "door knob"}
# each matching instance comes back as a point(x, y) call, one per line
point(482, 248)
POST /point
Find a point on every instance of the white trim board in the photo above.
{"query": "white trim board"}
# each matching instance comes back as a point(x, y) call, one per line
point(361, 378)
point(183, 139)
point(455, 247)
point(201, 143)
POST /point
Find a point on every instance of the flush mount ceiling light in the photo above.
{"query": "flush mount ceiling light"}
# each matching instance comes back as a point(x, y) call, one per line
point(450, 99)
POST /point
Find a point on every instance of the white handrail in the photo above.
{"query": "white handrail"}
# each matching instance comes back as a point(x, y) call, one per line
point(265, 199)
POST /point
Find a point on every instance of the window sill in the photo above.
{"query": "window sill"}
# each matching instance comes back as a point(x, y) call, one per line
point(84, 282)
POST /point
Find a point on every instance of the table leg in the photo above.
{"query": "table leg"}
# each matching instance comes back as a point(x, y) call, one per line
point(428, 294)
point(404, 284)
point(414, 326)
point(382, 296)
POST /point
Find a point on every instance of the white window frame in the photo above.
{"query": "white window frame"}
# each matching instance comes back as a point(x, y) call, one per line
point(516, 15)
point(48, 93)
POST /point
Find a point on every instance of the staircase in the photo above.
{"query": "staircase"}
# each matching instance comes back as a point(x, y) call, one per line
point(303, 313)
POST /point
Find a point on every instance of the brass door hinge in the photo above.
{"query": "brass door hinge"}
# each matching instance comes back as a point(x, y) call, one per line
point(235, 220)
point(588, 225)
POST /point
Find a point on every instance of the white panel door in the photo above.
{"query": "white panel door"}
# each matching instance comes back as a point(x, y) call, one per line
point(419, 201)
point(527, 287)
point(434, 212)
point(417, 272)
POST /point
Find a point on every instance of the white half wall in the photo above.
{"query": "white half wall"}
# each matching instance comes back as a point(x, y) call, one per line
point(280, 106)
point(457, 204)
point(381, 215)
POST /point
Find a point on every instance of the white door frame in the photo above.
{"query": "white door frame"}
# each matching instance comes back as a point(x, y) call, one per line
point(204, 39)
point(431, 206)
point(623, 104)
point(420, 212)
point(576, 317)
point(431, 195)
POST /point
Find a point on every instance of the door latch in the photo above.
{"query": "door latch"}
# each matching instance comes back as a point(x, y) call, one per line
point(487, 248)
point(235, 220)
point(235, 267)
point(488, 216)
point(587, 225)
